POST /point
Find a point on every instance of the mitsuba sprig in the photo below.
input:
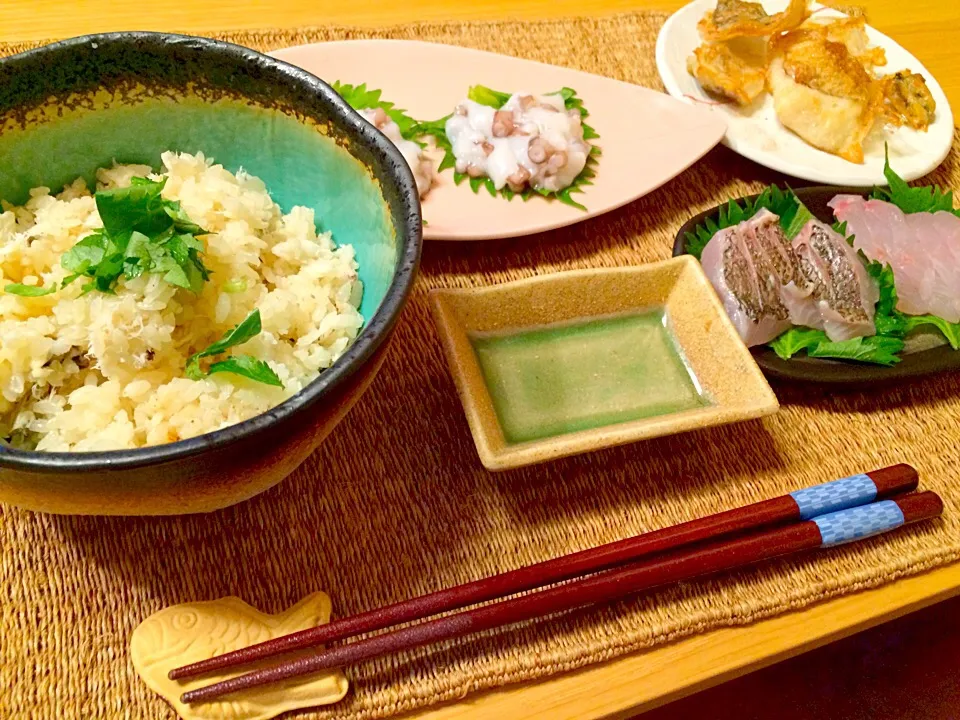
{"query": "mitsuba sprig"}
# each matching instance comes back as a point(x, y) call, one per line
point(142, 233)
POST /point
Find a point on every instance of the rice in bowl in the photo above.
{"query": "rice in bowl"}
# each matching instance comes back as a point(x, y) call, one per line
point(103, 371)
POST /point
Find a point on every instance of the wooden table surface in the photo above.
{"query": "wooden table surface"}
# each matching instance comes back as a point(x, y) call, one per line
point(930, 29)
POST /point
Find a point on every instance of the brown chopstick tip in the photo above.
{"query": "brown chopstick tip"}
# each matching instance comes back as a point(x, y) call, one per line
point(895, 479)
point(196, 668)
point(920, 506)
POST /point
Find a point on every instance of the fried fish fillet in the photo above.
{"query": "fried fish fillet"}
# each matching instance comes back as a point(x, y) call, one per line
point(735, 69)
point(737, 18)
point(822, 92)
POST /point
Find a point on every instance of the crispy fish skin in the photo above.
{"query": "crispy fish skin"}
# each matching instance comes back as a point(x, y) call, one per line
point(851, 32)
point(732, 63)
point(737, 18)
point(812, 59)
point(722, 70)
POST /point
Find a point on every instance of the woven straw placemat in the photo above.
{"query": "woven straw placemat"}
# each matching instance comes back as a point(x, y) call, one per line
point(395, 502)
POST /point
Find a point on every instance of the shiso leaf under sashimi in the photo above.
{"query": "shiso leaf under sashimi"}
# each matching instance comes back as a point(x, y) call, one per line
point(360, 97)
point(874, 349)
point(930, 198)
point(796, 339)
point(892, 323)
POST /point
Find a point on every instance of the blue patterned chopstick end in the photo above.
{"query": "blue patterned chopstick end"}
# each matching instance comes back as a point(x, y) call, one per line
point(835, 495)
point(857, 523)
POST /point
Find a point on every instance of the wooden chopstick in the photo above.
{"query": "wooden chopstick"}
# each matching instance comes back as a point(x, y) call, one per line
point(822, 531)
point(800, 505)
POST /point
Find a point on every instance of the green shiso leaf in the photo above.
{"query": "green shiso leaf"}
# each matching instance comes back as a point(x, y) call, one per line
point(785, 204)
point(891, 322)
point(488, 96)
point(930, 198)
point(793, 219)
point(28, 290)
point(876, 349)
point(244, 365)
point(360, 97)
point(497, 99)
point(949, 330)
point(796, 339)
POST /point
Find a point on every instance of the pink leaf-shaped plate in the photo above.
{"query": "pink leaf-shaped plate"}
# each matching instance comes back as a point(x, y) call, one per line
point(647, 137)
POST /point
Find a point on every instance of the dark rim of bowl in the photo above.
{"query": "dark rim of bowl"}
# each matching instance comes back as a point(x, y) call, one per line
point(371, 335)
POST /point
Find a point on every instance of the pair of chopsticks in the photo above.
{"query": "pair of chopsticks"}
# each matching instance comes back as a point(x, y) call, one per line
point(824, 515)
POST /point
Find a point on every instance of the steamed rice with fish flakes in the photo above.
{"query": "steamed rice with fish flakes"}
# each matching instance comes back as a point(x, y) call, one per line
point(93, 366)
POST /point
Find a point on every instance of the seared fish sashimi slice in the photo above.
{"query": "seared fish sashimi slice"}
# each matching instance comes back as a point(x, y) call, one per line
point(844, 295)
point(748, 265)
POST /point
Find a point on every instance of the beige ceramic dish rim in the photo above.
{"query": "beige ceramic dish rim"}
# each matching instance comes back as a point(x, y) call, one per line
point(745, 395)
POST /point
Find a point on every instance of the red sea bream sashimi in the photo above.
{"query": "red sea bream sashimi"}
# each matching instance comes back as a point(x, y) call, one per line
point(923, 249)
point(844, 296)
point(745, 278)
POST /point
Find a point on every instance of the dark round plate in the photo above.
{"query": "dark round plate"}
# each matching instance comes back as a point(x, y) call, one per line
point(835, 373)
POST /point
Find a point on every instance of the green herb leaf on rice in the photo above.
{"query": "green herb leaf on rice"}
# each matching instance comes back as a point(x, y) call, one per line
point(248, 329)
point(137, 207)
point(359, 97)
point(142, 233)
point(244, 365)
point(247, 366)
point(28, 290)
point(497, 99)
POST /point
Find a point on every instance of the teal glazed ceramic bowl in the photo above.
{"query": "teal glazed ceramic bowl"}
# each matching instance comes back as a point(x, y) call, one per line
point(71, 107)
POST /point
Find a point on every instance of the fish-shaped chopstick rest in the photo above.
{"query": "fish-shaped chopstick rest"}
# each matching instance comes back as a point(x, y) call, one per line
point(196, 631)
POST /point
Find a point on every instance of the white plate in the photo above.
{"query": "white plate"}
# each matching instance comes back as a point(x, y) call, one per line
point(756, 133)
point(647, 137)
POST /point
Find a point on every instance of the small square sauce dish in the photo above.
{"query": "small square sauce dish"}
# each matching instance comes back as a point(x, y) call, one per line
point(566, 363)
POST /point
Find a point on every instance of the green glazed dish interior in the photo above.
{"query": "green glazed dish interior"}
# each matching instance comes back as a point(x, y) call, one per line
point(298, 164)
